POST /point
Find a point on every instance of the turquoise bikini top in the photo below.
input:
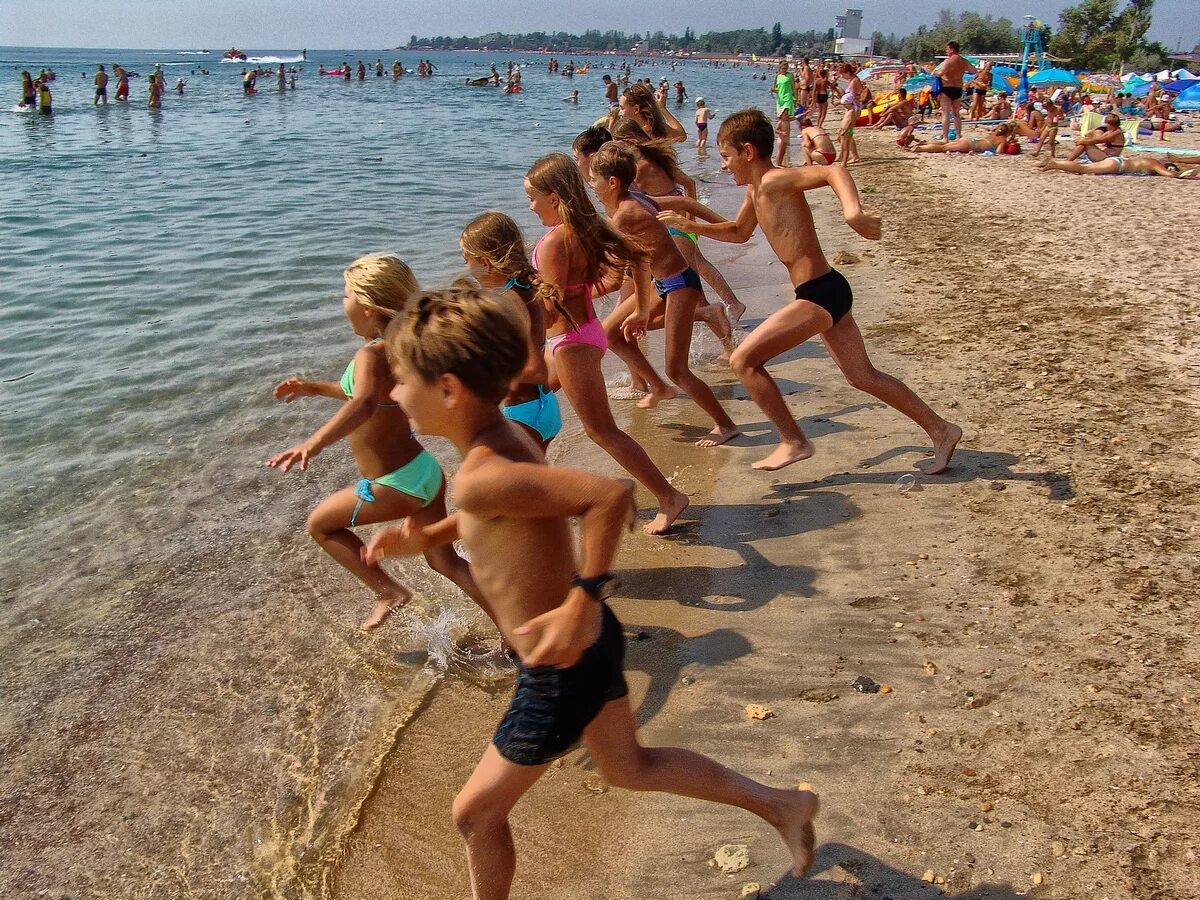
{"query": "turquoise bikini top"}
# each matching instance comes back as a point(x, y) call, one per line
point(348, 382)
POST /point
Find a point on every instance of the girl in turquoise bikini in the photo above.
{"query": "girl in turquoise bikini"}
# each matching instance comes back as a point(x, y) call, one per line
point(494, 250)
point(400, 478)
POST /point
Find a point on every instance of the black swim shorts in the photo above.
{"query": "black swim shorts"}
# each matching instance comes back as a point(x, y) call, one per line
point(830, 291)
point(954, 93)
point(551, 707)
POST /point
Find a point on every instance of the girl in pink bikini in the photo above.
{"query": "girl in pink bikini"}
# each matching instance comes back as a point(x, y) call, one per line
point(580, 253)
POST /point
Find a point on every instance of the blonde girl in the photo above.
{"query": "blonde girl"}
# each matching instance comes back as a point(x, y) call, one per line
point(399, 478)
point(579, 254)
point(494, 251)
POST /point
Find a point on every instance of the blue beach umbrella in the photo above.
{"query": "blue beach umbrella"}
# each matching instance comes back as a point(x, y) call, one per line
point(1178, 87)
point(1054, 78)
point(914, 84)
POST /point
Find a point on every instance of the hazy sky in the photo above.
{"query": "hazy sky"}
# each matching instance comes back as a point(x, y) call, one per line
point(369, 24)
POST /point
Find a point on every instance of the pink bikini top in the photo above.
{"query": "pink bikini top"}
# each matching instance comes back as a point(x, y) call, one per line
point(581, 286)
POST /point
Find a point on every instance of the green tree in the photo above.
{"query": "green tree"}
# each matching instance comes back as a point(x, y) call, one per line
point(1094, 35)
point(776, 35)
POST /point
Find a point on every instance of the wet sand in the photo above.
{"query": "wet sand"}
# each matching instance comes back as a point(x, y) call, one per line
point(1031, 610)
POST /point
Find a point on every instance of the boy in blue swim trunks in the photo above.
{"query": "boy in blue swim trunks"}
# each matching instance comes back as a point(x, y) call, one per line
point(613, 169)
point(454, 354)
point(775, 198)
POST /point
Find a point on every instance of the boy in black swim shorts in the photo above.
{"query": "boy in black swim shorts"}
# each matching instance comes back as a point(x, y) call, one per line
point(775, 198)
point(454, 354)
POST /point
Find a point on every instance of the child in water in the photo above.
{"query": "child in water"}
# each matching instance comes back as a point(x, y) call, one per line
point(703, 114)
point(455, 353)
point(399, 477)
point(493, 249)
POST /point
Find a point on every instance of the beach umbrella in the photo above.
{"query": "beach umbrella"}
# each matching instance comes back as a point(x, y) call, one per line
point(1023, 88)
point(1189, 100)
point(1054, 78)
point(1102, 80)
point(914, 84)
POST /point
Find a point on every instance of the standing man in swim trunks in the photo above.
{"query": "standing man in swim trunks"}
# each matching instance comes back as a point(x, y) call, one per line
point(775, 199)
point(122, 82)
point(785, 107)
point(951, 72)
point(610, 93)
point(101, 82)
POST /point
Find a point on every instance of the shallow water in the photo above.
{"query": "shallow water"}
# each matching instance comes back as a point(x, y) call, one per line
point(190, 710)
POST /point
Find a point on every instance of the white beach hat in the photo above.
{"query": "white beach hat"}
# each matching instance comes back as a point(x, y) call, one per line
point(699, 100)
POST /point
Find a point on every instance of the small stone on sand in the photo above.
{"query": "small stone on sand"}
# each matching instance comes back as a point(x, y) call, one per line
point(751, 890)
point(732, 858)
point(758, 711)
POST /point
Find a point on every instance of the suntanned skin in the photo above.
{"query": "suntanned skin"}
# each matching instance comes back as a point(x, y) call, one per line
point(634, 220)
point(513, 516)
point(775, 200)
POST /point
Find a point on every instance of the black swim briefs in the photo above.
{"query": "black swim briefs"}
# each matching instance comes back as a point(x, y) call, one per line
point(551, 707)
point(954, 93)
point(830, 291)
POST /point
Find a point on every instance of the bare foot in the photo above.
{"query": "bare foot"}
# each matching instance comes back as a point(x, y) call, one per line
point(384, 607)
point(784, 455)
point(667, 514)
point(654, 398)
point(717, 437)
point(943, 449)
point(736, 310)
point(796, 829)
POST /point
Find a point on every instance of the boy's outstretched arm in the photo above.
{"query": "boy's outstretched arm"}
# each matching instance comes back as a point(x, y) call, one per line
point(688, 206)
point(409, 539)
point(806, 178)
point(604, 507)
point(719, 229)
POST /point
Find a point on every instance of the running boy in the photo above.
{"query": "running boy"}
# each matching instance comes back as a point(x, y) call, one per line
point(454, 354)
point(775, 198)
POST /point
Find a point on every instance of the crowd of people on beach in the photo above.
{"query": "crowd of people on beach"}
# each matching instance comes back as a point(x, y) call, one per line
point(960, 94)
point(484, 360)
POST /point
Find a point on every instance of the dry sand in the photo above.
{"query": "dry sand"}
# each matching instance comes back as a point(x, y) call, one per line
point(1032, 610)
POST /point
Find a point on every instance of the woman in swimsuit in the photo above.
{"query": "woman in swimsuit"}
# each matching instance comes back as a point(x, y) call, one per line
point(399, 477)
point(979, 91)
point(1116, 165)
point(1049, 135)
point(995, 139)
point(1102, 143)
point(582, 252)
point(493, 249)
point(847, 146)
point(821, 89)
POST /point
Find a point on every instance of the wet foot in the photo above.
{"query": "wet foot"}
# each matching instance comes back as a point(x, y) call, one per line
point(384, 607)
point(717, 437)
point(654, 398)
point(943, 449)
point(796, 829)
point(667, 514)
point(736, 310)
point(784, 455)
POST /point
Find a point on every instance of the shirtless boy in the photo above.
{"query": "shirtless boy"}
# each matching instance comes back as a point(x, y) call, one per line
point(775, 199)
point(899, 112)
point(613, 169)
point(101, 82)
point(454, 356)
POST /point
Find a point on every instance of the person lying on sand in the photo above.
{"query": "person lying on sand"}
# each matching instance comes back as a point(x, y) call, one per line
point(1116, 165)
point(993, 141)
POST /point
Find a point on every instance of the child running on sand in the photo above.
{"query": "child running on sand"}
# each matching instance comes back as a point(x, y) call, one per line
point(580, 253)
point(454, 355)
point(613, 168)
point(493, 249)
point(400, 478)
point(775, 198)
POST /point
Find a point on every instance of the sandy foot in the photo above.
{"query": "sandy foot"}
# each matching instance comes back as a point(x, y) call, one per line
point(384, 607)
point(784, 455)
point(667, 514)
point(797, 829)
point(735, 311)
point(654, 398)
point(717, 437)
point(944, 449)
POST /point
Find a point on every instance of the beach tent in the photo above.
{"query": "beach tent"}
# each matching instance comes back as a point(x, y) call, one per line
point(1184, 75)
point(1189, 100)
point(1053, 78)
point(1178, 87)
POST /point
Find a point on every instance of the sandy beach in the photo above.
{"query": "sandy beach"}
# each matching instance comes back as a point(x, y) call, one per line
point(1031, 611)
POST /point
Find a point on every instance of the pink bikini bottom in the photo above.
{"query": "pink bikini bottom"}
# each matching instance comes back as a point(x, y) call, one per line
point(590, 332)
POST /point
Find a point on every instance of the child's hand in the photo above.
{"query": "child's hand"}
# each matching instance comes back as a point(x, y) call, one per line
point(675, 220)
point(292, 388)
point(564, 633)
point(870, 227)
point(405, 539)
point(634, 327)
point(296, 456)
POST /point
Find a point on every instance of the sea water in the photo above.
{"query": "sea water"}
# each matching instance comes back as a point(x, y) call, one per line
point(189, 709)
